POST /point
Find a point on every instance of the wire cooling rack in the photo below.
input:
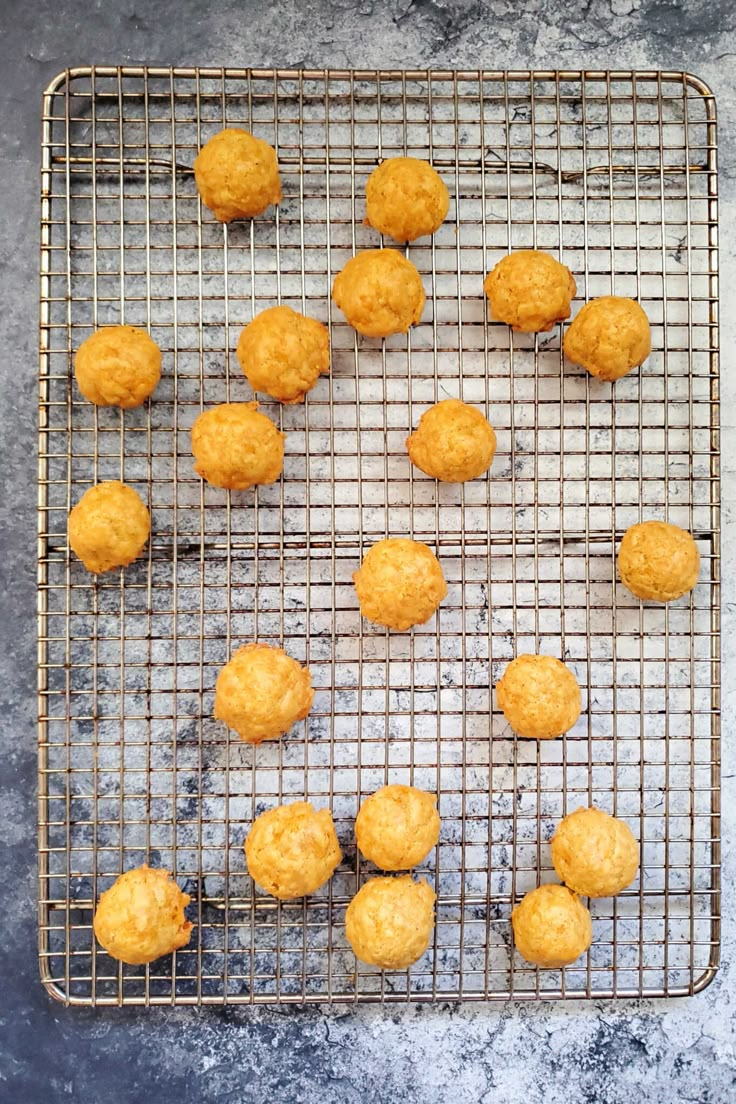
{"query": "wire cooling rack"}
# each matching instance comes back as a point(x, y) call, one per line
point(615, 172)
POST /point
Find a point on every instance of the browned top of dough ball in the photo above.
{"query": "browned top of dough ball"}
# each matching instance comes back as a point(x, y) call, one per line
point(261, 692)
point(118, 366)
point(283, 353)
point(658, 562)
point(405, 198)
point(530, 291)
point(389, 922)
point(109, 526)
point(539, 696)
point(292, 850)
point(236, 447)
point(594, 854)
point(400, 583)
point(141, 917)
point(552, 927)
point(609, 337)
point(453, 442)
point(380, 292)
point(237, 175)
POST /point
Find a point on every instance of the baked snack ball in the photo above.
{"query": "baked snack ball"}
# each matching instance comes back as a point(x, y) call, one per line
point(594, 854)
point(380, 292)
point(453, 442)
point(237, 175)
point(530, 291)
point(399, 583)
point(292, 850)
point(109, 526)
point(539, 696)
point(609, 337)
point(141, 916)
point(552, 927)
point(389, 921)
point(405, 198)
point(657, 561)
point(235, 447)
point(261, 692)
point(118, 366)
point(397, 826)
point(284, 353)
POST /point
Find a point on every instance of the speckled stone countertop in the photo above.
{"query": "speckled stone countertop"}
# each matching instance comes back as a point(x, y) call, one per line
point(656, 1052)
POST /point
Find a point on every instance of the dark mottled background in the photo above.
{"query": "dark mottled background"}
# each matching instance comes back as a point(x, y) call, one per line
point(658, 1052)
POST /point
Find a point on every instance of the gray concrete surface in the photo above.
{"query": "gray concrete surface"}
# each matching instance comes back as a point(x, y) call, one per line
point(655, 1052)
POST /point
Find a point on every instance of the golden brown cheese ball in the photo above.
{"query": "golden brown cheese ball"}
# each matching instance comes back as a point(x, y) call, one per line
point(539, 696)
point(284, 353)
point(261, 692)
point(405, 198)
point(235, 447)
point(109, 526)
point(552, 927)
point(237, 175)
point(530, 291)
point(389, 922)
point(658, 562)
point(400, 583)
point(380, 293)
point(141, 916)
point(594, 854)
point(397, 826)
point(609, 337)
point(292, 850)
point(453, 442)
point(118, 366)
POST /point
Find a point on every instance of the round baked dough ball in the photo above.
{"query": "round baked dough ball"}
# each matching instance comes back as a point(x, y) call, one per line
point(400, 583)
point(389, 921)
point(284, 353)
point(539, 696)
point(380, 293)
point(397, 826)
point(237, 175)
point(109, 526)
point(453, 442)
point(609, 337)
point(552, 927)
point(118, 366)
point(141, 916)
point(234, 446)
point(261, 692)
point(594, 854)
point(530, 291)
point(292, 850)
point(405, 198)
point(658, 562)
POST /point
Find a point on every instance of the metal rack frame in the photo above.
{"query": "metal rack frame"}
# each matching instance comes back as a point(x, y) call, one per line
point(617, 173)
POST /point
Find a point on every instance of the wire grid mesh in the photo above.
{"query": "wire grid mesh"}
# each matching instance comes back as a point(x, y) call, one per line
point(614, 172)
